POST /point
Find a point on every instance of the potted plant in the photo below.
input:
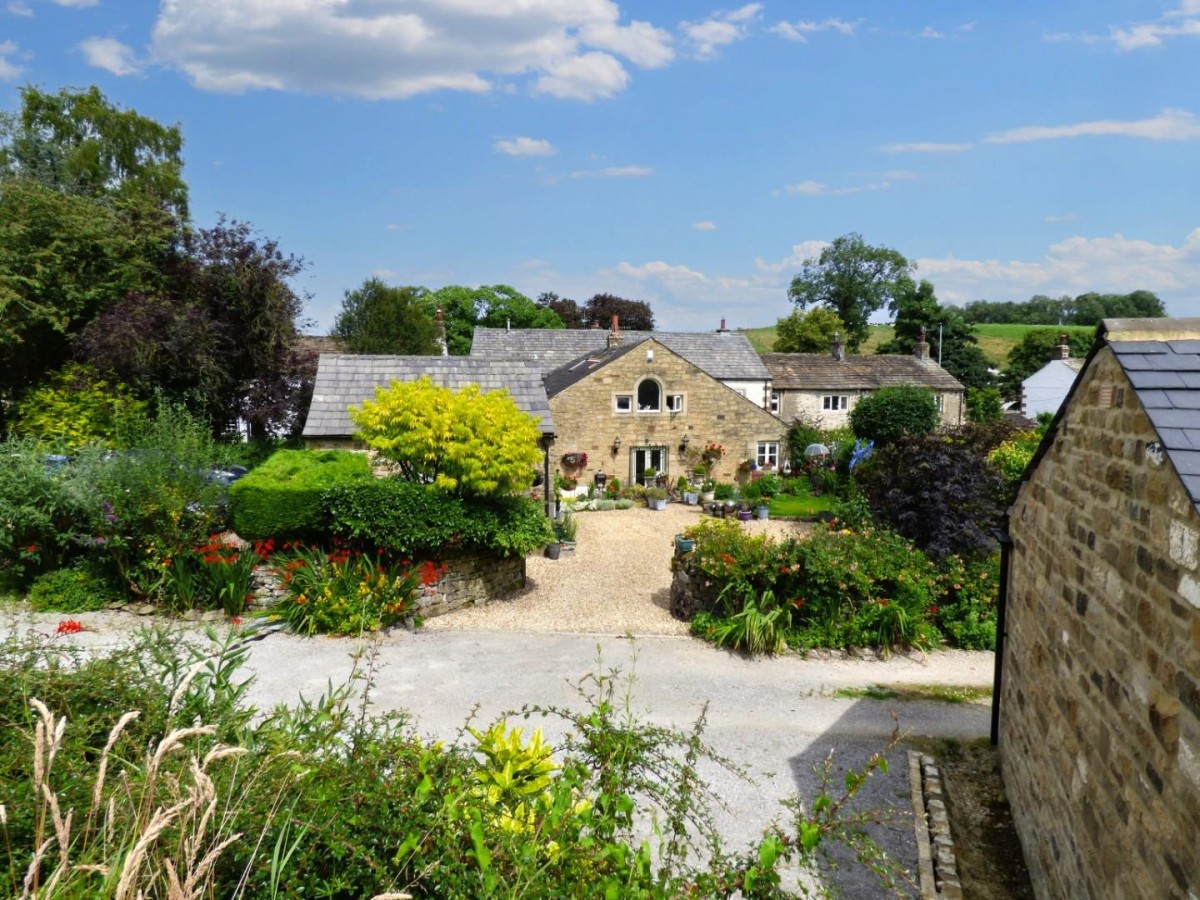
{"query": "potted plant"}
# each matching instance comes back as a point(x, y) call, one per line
point(656, 498)
point(565, 532)
point(649, 476)
point(684, 544)
point(707, 490)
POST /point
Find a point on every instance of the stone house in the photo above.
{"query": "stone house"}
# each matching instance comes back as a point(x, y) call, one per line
point(1046, 389)
point(637, 404)
point(1099, 662)
point(823, 388)
point(725, 355)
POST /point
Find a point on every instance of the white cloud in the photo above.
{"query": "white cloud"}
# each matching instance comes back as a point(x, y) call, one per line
point(396, 226)
point(18, 8)
point(927, 147)
point(1074, 266)
point(591, 76)
point(1169, 125)
point(534, 264)
point(930, 32)
point(9, 70)
point(524, 146)
point(1183, 21)
point(110, 55)
point(1066, 217)
point(799, 31)
point(719, 30)
point(614, 172)
point(704, 226)
point(819, 189)
point(385, 274)
point(400, 48)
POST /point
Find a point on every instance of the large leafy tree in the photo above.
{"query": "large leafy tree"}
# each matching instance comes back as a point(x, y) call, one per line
point(77, 142)
point(890, 412)
point(809, 332)
point(854, 279)
point(467, 442)
point(494, 306)
point(377, 318)
point(567, 310)
point(951, 338)
point(633, 315)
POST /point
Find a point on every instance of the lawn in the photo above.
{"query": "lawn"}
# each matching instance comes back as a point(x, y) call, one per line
point(801, 506)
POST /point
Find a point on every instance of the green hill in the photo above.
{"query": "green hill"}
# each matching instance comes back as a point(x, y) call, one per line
point(994, 340)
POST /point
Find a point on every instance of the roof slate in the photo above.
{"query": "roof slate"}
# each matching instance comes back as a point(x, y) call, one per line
point(345, 380)
point(1165, 375)
point(820, 371)
point(575, 371)
point(725, 355)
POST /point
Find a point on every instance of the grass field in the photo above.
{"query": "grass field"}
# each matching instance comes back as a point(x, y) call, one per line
point(790, 505)
point(994, 340)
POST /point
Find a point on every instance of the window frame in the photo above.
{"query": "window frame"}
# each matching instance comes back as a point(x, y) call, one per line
point(767, 454)
point(617, 398)
point(840, 402)
point(637, 400)
point(671, 406)
point(776, 402)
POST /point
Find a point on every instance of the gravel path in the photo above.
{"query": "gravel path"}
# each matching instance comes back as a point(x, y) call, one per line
point(617, 581)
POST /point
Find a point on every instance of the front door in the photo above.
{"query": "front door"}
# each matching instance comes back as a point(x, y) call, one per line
point(643, 458)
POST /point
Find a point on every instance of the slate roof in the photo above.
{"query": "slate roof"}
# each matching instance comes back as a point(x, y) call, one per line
point(726, 355)
point(344, 380)
point(575, 371)
point(820, 371)
point(1165, 374)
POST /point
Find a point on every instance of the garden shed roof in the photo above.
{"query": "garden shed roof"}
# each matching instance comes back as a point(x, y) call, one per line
point(344, 380)
point(725, 355)
point(821, 371)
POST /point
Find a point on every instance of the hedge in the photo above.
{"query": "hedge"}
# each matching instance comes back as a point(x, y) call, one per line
point(282, 497)
point(413, 519)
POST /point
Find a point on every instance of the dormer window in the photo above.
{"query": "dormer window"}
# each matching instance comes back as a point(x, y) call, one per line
point(649, 396)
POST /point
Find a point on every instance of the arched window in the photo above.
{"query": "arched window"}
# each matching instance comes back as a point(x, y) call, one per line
point(649, 396)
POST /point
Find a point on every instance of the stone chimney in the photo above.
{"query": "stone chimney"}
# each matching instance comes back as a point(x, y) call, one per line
point(921, 347)
point(615, 338)
point(722, 329)
point(1063, 350)
point(837, 347)
point(441, 333)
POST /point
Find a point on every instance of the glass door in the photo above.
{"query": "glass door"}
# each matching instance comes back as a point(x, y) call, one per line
point(643, 458)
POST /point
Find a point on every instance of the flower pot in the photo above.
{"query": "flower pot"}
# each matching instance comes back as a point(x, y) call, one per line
point(691, 498)
point(706, 496)
point(744, 515)
point(762, 511)
point(657, 504)
point(683, 544)
point(553, 550)
point(567, 548)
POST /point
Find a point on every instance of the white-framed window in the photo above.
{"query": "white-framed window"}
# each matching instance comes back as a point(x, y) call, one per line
point(835, 402)
point(768, 453)
point(941, 402)
point(675, 403)
point(649, 396)
point(623, 403)
point(775, 402)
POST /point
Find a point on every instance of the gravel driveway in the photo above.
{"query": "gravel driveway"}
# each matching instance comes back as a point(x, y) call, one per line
point(617, 581)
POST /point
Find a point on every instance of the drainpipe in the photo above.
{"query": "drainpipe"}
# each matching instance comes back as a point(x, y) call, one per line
point(547, 488)
point(1001, 625)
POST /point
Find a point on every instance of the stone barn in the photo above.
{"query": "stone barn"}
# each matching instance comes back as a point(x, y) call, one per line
point(1099, 706)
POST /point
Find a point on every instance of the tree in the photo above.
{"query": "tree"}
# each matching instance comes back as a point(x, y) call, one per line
point(984, 405)
point(466, 442)
point(506, 307)
point(1036, 349)
point(76, 407)
point(633, 315)
point(888, 413)
point(853, 279)
point(917, 311)
point(493, 306)
point(376, 318)
point(567, 310)
point(810, 332)
point(78, 143)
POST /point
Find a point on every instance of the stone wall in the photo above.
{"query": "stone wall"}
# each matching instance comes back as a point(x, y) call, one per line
point(587, 421)
point(1100, 704)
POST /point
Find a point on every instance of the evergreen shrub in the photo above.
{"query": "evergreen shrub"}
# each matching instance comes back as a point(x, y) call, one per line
point(282, 497)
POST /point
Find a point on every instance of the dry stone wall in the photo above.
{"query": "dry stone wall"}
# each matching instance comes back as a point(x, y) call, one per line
point(1100, 705)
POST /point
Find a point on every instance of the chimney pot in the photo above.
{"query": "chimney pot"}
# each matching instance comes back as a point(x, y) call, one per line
point(837, 347)
point(1063, 350)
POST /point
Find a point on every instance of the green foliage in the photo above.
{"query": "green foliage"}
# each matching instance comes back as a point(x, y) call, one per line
point(75, 407)
point(854, 280)
point(78, 588)
point(810, 332)
point(495, 306)
point(1037, 348)
point(468, 442)
point(801, 433)
point(1086, 309)
point(415, 520)
point(758, 625)
point(886, 414)
point(1011, 457)
point(723, 490)
point(215, 575)
point(345, 592)
point(951, 338)
point(376, 318)
point(282, 498)
point(966, 610)
point(985, 405)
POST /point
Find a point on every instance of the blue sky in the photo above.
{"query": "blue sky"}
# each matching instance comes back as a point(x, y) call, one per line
point(685, 154)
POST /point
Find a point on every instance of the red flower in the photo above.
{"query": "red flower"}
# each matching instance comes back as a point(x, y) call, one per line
point(798, 603)
point(69, 626)
point(933, 610)
point(236, 620)
point(32, 548)
point(885, 602)
point(728, 560)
